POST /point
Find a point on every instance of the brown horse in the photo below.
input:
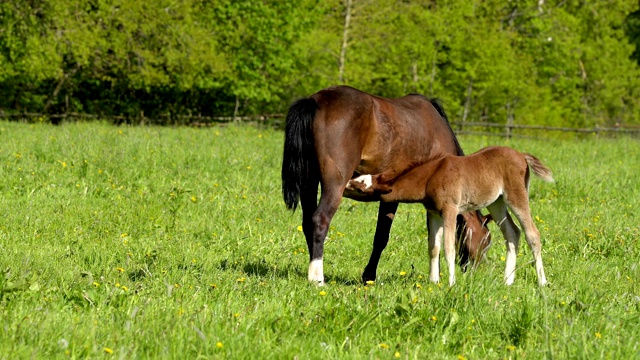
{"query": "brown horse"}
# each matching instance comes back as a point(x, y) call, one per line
point(339, 133)
point(495, 178)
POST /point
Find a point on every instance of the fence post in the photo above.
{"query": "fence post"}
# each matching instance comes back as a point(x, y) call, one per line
point(509, 123)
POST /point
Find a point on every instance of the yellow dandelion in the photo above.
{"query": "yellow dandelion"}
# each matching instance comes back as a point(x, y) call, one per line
point(299, 227)
point(124, 235)
point(418, 286)
point(248, 167)
point(219, 345)
point(322, 293)
point(461, 357)
point(598, 335)
point(120, 269)
point(108, 350)
point(96, 284)
point(241, 279)
point(383, 346)
point(370, 282)
point(236, 315)
point(124, 288)
point(403, 273)
point(194, 199)
point(511, 347)
point(396, 355)
point(502, 258)
point(433, 318)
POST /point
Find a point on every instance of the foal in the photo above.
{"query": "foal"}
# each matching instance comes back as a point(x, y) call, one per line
point(495, 178)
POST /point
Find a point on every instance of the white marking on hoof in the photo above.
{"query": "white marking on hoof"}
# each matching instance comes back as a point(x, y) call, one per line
point(316, 274)
point(367, 180)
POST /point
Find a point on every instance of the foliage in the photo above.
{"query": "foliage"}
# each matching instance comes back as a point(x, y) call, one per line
point(159, 242)
point(570, 63)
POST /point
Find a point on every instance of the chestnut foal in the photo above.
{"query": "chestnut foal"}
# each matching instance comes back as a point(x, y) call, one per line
point(495, 178)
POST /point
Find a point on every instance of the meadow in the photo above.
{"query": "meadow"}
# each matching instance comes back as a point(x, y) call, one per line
point(161, 242)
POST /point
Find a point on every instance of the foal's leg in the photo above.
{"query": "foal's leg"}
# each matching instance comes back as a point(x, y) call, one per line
point(511, 234)
point(386, 213)
point(449, 219)
point(435, 228)
point(532, 235)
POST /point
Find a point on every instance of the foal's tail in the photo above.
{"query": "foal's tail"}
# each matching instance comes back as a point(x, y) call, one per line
point(538, 168)
point(299, 152)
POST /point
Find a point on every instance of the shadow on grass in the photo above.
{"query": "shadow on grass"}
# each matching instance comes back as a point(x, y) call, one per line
point(261, 268)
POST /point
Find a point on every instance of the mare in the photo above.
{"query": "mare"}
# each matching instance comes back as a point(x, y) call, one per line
point(339, 133)
point(495, 178)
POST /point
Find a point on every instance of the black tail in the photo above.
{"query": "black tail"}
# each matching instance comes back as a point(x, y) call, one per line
point(299, 154)
point(436, 104)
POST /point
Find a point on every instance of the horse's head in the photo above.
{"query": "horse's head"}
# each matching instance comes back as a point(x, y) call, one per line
point(473, 237)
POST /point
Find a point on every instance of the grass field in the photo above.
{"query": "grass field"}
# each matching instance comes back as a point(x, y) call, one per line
point(146, 242)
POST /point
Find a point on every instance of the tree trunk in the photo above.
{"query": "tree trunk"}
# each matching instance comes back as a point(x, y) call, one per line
point(345, 40)
point(235, 110)
point(467, 104)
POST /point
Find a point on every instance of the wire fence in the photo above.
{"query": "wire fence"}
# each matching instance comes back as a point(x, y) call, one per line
point(506, 130)
point(515, 130)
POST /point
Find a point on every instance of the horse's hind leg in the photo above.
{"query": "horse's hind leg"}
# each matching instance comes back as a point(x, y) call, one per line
point(532, 235)
point(386, 213)
point(511, 234)
point(309, 202)
point(320, 221)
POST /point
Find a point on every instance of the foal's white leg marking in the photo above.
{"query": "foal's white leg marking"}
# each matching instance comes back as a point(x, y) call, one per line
point(542, 280)
point(316, 274)
point(450, 244)
point(436, 230)
point(367, 180)
point(511, 234)
point(510, 268)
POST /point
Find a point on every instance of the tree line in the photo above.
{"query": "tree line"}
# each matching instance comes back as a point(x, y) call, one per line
point(561, 62)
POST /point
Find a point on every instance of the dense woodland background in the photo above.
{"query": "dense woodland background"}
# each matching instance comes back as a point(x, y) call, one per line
point(562, 63)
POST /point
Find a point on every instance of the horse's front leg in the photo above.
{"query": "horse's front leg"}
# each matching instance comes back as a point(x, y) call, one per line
point(435, 229)
point(386, 213)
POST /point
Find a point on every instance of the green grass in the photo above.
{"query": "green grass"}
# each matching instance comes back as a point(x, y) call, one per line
point(146, 242)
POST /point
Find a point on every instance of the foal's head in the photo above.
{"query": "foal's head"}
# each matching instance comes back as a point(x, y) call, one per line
point(473, 238)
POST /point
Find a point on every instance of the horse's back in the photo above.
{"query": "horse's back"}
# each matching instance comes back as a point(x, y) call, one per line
point(384, 133)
